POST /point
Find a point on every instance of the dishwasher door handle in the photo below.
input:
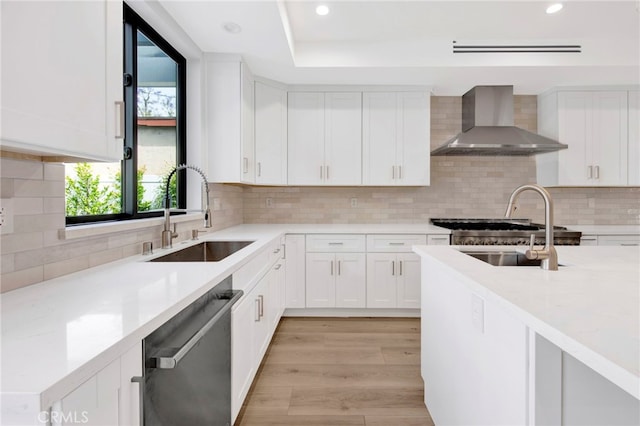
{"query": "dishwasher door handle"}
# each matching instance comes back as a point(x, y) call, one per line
point(163, 362)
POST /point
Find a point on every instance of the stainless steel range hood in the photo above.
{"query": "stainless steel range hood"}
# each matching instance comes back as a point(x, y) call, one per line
point(487, 127)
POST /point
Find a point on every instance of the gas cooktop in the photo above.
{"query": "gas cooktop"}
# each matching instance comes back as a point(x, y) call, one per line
point(503, 232)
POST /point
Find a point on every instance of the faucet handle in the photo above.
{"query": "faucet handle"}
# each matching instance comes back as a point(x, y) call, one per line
point(194, 234)
point(532, 241)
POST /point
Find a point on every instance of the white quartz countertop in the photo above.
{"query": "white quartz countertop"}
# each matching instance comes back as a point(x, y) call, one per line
point(58, 333)
point(590, 307)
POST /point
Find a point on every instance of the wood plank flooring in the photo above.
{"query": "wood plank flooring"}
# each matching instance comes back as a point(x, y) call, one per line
point(339, 371)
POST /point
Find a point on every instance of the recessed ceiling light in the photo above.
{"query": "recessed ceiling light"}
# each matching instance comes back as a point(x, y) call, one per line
point(322, 10)
point(231, 27)
point(554, 8)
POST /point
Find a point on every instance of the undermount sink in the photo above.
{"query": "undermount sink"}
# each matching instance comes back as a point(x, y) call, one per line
point(208, 251)
point(503, 258)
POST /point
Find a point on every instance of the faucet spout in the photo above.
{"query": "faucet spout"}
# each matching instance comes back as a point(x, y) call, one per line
point(548, 253)
point(167, 234)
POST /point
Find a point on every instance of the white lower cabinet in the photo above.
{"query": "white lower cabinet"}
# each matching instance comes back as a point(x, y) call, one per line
point(393, 271)
point(107, 398)
point(295, 253)
point(335, 280)
point(253, 322)
point(393, 280)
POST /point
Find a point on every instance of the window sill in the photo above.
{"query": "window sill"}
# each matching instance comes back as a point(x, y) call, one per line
point(96, 229)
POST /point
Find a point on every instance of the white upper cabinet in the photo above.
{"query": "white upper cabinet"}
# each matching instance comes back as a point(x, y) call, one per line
point(324, 138)
point(396, 138)
point(634, 138)
point(595, 126)
point(230, 120)
point(270, 135)
point(62, 78)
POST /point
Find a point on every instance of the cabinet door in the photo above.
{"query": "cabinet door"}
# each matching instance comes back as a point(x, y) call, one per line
point(247, 120)
point(343, 139)
point(574, 127)
point(295, 271)
point(270, 135)
point(408, 280)
point(321, 284)
point(130, 366)
point(381, 280)
point(379, 138)
point(305, 138)
point(94, 402)
point(414, 137)
point(351, 286)
point(262, 297)
point(243, 317)
point(609, 155)
point(634, 138)
point(59, 94)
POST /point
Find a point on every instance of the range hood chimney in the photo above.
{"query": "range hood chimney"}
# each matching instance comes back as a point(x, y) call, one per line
point(487, 127)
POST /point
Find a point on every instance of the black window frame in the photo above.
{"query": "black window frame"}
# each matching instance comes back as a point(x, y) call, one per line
point(132, 23)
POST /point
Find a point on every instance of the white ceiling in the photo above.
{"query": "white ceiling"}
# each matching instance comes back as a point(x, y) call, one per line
point(410, 42)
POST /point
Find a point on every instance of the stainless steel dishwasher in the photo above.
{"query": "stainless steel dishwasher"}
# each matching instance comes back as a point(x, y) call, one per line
point(187, 377)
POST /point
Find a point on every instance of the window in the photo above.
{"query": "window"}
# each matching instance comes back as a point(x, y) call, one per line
point(155, 137)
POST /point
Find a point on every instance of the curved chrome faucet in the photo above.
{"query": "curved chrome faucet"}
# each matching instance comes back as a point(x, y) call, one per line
point(167, 234)
point(548, 254)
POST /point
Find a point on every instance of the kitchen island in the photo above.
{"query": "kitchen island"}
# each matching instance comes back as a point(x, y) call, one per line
point(521, 345)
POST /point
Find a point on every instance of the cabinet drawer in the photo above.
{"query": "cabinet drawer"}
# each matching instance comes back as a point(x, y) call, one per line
point(335, 243)
point(438, 240)
point(619, 240)
point(387, 243)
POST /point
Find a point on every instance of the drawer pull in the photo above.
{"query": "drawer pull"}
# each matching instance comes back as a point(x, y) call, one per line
point(630, 244)
point(393, 267)
point(396, 244)
point(339, 266)
point(332, 267)
point(336, 244)
point(400, 267)
point(278, 266)
point(261, 298)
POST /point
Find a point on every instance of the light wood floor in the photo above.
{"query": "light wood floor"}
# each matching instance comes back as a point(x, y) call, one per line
point(340, 371)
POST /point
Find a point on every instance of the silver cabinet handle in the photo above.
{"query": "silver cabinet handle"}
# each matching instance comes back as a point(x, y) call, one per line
point(140, 381)
point(259, 169)
point(119, 120)
point(597, 172)
point(630, 244)
point(399, 172)
point(396, 244)
point(336, 243)
point(400, 268)
point(327, 172)
point(339, 268)
point(321, 172)
point(278, 266)
point(332, 267)
point(261, 298)
point(393, 267)
point(589, 172)
point(172, 361)
point(245, 165)
point(276, 251)
point(256, 303)
point(393, 172)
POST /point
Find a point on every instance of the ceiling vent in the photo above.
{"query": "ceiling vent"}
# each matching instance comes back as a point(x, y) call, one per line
point(517, 48)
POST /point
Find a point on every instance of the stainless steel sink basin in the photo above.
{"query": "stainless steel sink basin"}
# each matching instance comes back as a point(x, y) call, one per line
point(502, 258)
point(208, 251)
